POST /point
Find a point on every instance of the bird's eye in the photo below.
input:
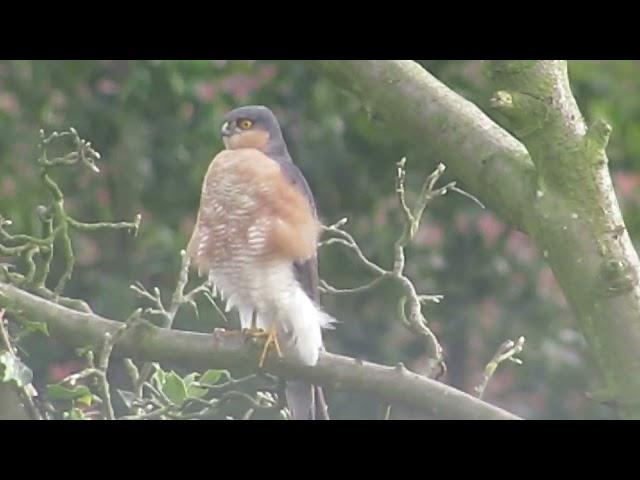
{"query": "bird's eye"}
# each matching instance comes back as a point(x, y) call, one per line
point(245, 124)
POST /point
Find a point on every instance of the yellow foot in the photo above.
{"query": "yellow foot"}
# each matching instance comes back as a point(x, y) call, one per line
point(271, 339)
point(254, 332)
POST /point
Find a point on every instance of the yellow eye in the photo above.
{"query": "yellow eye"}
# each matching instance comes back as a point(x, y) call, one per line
point(245, 124)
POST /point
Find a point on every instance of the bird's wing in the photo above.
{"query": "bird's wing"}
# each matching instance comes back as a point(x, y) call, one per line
point(306, 271)
point(307, 401)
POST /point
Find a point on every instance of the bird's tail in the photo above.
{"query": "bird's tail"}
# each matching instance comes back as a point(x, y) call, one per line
point(306, 321)
point(305, 401)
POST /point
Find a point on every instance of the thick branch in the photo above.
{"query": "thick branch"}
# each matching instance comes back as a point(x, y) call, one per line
point(562, 195)
point(576, 219)
point(492, 164)
point(232, 349)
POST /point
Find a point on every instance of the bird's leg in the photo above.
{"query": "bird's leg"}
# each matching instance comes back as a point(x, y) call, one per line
point(254, 321)
point(253, 330)
point(271, 338)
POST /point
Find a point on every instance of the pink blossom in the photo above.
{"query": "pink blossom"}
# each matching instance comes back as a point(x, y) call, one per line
point(7, 187)
point(490, 229)
point(186, 111)
point(382, 211)
point(59, 371)
point(58, 99)
point(107, 86)
point(462, 222)
point(205, 91)
point(548, 287)
point(103, 196)
point(521, 247)
point(241, 86)
point(430, 235)
point(627, 184)
point(88, 252)
point(9, 103)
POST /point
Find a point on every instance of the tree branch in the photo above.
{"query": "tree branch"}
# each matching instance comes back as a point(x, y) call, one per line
point(223, 349)
point(493, 165)
point(562, 194)
point(576, 219)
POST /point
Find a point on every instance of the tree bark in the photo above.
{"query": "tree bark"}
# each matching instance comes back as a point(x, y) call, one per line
point(11, 407)
point(226, 349)
point(558, 189)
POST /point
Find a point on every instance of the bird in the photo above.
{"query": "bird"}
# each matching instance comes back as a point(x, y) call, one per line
point(256, 236)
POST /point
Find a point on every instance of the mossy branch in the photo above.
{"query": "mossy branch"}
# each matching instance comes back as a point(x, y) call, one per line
point(578, 221)
point(228, 349)
point(38, 252)
point(558, 189)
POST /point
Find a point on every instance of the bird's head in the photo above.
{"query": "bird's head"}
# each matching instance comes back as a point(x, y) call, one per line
point(253, 126)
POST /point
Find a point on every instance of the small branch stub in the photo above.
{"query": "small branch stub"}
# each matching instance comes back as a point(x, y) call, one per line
point(598, 134)
point(507, 351)
point(502, 100)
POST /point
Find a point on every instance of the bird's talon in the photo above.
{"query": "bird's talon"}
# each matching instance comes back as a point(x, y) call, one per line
point(254, 332)
point(271, 339)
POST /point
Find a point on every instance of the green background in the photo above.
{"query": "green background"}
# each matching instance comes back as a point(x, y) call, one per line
point(156, 125)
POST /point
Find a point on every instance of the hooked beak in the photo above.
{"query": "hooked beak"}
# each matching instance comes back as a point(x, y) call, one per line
point(227, 129)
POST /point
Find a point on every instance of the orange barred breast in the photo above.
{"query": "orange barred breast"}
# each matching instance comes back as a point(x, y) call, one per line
point(249, 208)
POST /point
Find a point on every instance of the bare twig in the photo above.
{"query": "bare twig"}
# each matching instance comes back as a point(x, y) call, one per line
point(168, 314)
point(387, 413)
point(57, 222)
point(325, 287)
point(414, 319)
point(410, 305)
point(158, 413)
point(103, 366)
point(179, 297)
point(100, 371)
point(230, 383)
point(263, 401)
point(507, 351)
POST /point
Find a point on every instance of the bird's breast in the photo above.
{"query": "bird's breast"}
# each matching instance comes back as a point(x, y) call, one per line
point(248, 209)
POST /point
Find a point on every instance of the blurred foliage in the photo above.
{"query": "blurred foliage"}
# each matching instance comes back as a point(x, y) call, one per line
point(156, 125)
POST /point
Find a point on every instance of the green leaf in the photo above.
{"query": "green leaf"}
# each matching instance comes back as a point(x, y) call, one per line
point(189, 379)
point(86, 399)
point(74, 414)
point(58, 392)
point(211, 377)
point(174, 388)
point(196, 392)
point(36, 327)
point(12, 369)
point(160, 377)
point(193, 391)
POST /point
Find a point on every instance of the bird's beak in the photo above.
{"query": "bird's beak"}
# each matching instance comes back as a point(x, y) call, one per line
point(226, 129)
